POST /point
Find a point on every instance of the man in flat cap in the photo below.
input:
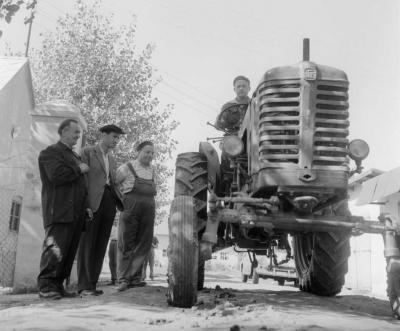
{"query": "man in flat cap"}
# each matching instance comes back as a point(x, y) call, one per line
point(232, 112)
point(104, 198)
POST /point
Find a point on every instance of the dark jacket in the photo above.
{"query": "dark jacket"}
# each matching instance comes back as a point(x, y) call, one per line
point(64, 192)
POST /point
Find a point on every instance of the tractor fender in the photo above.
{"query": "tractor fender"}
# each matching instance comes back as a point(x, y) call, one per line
point(213, 166)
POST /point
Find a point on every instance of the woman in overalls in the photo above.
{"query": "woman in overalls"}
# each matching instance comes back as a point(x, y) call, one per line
point(136, 223)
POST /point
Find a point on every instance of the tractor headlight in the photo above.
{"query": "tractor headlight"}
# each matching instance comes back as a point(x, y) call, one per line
point(358, 149)
point(232, 146)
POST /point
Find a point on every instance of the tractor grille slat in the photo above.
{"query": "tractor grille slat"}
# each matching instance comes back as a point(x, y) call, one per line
point(330, 140)
point(287, 109)
point(292, 149)
point(271, 90)
point(278, 117)
point(333, 159)
point(330, 149)
point(279, 123)
point(272, 125)
point(282, 157)
point(332, 123)
point(272, 99)
point(331, 132)
point(332, 114)
point(265, 136)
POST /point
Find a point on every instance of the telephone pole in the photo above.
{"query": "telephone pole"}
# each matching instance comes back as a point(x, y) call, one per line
point(30, 21)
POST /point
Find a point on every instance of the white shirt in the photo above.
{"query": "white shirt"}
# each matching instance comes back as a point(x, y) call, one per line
point(125, 178)
point(106, 164)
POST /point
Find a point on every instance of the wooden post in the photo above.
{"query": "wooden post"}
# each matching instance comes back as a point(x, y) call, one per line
point(29, 33)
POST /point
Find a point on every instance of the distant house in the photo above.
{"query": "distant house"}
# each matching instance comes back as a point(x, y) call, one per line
point(371, 193)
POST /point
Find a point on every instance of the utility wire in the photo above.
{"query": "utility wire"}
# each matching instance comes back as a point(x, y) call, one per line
point(190, 85)
point(55, 7)
point(188, 95)
point(200, 111)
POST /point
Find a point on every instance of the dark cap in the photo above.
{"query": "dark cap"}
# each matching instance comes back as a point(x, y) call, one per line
point(111, 128)
point(241, 78)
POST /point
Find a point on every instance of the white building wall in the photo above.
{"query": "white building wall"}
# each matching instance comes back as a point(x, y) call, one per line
point(367, 265)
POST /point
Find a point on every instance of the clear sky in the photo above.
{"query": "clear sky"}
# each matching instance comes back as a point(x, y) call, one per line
point(202, 45)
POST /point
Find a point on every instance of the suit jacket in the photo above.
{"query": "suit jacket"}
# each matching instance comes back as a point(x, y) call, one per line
point(64, 194)
point(96, 177)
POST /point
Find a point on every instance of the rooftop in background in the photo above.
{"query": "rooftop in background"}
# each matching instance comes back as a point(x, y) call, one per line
point(364, 176)
point(9, 67)
point(377, 189)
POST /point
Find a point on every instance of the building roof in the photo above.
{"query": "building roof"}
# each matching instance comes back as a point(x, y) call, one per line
point(375, 190)
point(364, 176)
point(59, 109)
point(9, 67)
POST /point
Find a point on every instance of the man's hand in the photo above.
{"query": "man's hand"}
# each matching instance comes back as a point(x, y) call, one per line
point(84, 167)
point(89, 214)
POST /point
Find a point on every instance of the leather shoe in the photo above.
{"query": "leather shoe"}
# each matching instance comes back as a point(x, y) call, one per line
point(50, 295)
point(98, 292)
point(66, 294)
point(88, 293)
point(137, 284)
point(122, 286)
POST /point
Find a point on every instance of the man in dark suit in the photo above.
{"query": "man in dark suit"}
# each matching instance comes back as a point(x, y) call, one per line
point(104, 197)
point(64, 200)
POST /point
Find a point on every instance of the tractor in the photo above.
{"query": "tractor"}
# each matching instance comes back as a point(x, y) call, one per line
point(288, 173)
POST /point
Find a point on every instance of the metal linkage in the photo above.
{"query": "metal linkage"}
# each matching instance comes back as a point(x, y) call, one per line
point(247, 217)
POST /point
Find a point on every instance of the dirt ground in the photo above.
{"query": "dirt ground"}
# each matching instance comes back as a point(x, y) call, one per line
point(225, 304)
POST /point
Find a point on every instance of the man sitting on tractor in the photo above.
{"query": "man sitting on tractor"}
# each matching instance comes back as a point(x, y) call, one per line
point(232, 112)
point(229, 120)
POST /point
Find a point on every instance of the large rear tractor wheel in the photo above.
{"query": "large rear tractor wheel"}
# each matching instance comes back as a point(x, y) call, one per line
point(321, 261)
point(183, 253)
point(191, 180)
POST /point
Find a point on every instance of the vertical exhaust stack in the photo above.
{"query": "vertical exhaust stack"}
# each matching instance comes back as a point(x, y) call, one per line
point(306, 49)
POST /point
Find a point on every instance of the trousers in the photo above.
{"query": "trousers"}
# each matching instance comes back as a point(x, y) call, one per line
point(94, 241)
point(135, 235)
point(59, 249)
point(112, 259)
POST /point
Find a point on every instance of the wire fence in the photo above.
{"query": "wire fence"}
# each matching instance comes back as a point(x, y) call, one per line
point(8, 237)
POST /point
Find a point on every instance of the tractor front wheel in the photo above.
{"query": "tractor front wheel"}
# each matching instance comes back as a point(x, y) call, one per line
point(321, 261)
point(183, 253)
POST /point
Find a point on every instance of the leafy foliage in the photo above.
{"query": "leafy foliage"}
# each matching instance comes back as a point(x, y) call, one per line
point(8, 8)
point(96, 67)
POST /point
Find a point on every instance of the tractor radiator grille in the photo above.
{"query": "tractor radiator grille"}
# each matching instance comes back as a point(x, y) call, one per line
point(331, 124)
point(279, 121)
